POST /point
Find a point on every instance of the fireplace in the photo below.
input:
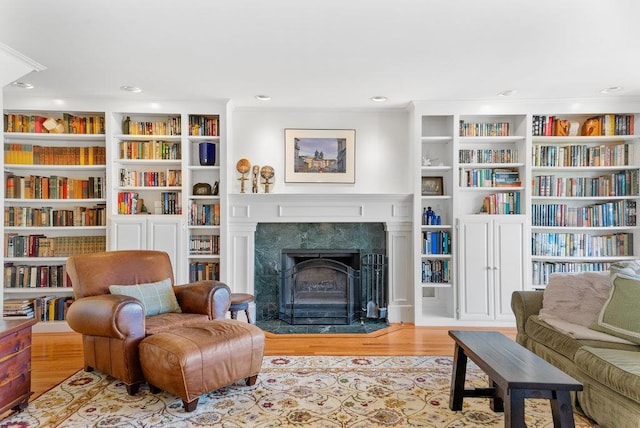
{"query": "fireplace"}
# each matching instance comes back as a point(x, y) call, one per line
point(319, 286)
point(261, 225)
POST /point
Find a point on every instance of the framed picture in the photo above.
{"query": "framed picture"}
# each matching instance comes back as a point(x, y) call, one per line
point(432, 186)
point(320, 155)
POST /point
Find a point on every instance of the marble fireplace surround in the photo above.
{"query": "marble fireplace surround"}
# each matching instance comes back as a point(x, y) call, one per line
point(394, 211)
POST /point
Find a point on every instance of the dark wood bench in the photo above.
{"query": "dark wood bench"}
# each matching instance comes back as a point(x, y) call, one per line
point(515, 373)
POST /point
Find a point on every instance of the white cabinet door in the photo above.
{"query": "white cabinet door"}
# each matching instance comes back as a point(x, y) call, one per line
point(491, 254)
point(128, 233)
point(475, 274)
point(142, 232)
point(164, 234)
point(509, 263)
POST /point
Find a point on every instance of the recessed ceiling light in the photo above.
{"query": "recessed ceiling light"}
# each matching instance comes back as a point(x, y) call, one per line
point(611, 89)
point(379, 99)
point(507, 93)
point(133, 89)
point(263, 97)
point(22, 85)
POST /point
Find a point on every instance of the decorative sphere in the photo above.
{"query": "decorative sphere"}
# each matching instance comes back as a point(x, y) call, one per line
point(267, 172)
point(243, 165)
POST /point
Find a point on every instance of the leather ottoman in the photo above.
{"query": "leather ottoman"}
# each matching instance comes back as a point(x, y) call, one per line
point(190, 361)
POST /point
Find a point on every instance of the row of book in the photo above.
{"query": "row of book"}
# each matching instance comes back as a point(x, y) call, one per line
point(171, 126)
point(204, 214)
point(129, 203)
point(30, 276)
point(581, 244)
point(170, 203)
point(604, 125)
point(29, 154)
point(488, 156)
point(18, 308)
point(44, 308)
point(608, 214)
point(169, 177)
point(38, 245)
point(623, 183)
point(471, 129)
point(53, 187)
point(19, 216)
point(204, 244)
point(204, 271)
point(150, 150)
point(438, 242)
point(436, 271)
point(489, 177)
point(541, 271)
point(204, 125)
point(501, 203)
point(583, 155)
point(70, 124)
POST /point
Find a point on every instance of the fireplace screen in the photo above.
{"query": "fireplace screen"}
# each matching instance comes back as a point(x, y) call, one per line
point(319, 289)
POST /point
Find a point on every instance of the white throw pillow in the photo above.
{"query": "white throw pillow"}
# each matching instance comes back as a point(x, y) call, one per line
point(576, 297)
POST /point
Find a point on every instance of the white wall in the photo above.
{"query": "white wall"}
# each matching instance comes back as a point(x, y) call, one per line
point(383, 147)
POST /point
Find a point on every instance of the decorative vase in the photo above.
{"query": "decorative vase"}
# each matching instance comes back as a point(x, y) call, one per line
point(207, 154)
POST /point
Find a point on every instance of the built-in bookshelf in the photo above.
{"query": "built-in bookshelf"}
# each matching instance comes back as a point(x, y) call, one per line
point(435, 270)
point(531, 194)
point(491, 163)
point(490, 214)
point(54, 204)
point(584, 192)
point(204, 196)
point(147, 186)
point(481, 163)
point(148, 164)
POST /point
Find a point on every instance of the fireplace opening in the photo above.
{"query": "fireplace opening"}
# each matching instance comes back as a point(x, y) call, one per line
point(320, 286)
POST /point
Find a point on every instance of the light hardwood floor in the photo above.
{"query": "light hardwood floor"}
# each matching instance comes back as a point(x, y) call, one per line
point(56, 356)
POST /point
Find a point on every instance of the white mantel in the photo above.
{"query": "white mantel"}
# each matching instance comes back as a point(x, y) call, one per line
point(395, 211)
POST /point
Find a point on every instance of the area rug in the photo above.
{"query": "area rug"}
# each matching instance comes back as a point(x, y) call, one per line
point(290, 392)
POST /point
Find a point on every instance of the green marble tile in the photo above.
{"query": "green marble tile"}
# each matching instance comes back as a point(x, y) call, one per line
point(272, 238)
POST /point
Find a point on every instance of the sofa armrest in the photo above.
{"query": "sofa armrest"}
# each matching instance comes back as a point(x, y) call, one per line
point(108, 315)
point(524, 304)
point(211, 298)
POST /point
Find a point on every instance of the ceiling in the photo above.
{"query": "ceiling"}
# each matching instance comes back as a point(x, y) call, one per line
point(325, 53)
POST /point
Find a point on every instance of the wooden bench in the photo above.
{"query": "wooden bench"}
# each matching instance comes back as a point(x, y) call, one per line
point(515, 373)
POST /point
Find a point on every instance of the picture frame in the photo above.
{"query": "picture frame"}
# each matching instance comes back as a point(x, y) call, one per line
point(319, 155)
point(432, 186)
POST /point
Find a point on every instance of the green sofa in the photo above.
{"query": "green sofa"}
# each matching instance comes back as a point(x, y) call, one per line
point(609, 370)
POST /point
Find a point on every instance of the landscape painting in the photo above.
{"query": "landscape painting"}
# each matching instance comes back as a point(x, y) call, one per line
point(320, 155)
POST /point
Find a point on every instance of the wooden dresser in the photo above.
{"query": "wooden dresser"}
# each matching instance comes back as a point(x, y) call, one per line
point(15, 364)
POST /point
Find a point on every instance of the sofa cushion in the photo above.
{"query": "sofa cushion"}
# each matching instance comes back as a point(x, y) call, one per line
point(578, 331)
point(614, 368)
point(564, 344)
point(619, 315)
point(542, 332)
point(576, 297)
point(156, 297)
point(170, 321)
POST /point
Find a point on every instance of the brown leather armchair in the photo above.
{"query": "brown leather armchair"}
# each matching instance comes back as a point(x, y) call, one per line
point(112, 325)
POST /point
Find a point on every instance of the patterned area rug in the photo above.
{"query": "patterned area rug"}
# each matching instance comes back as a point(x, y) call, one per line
point(290, 392)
